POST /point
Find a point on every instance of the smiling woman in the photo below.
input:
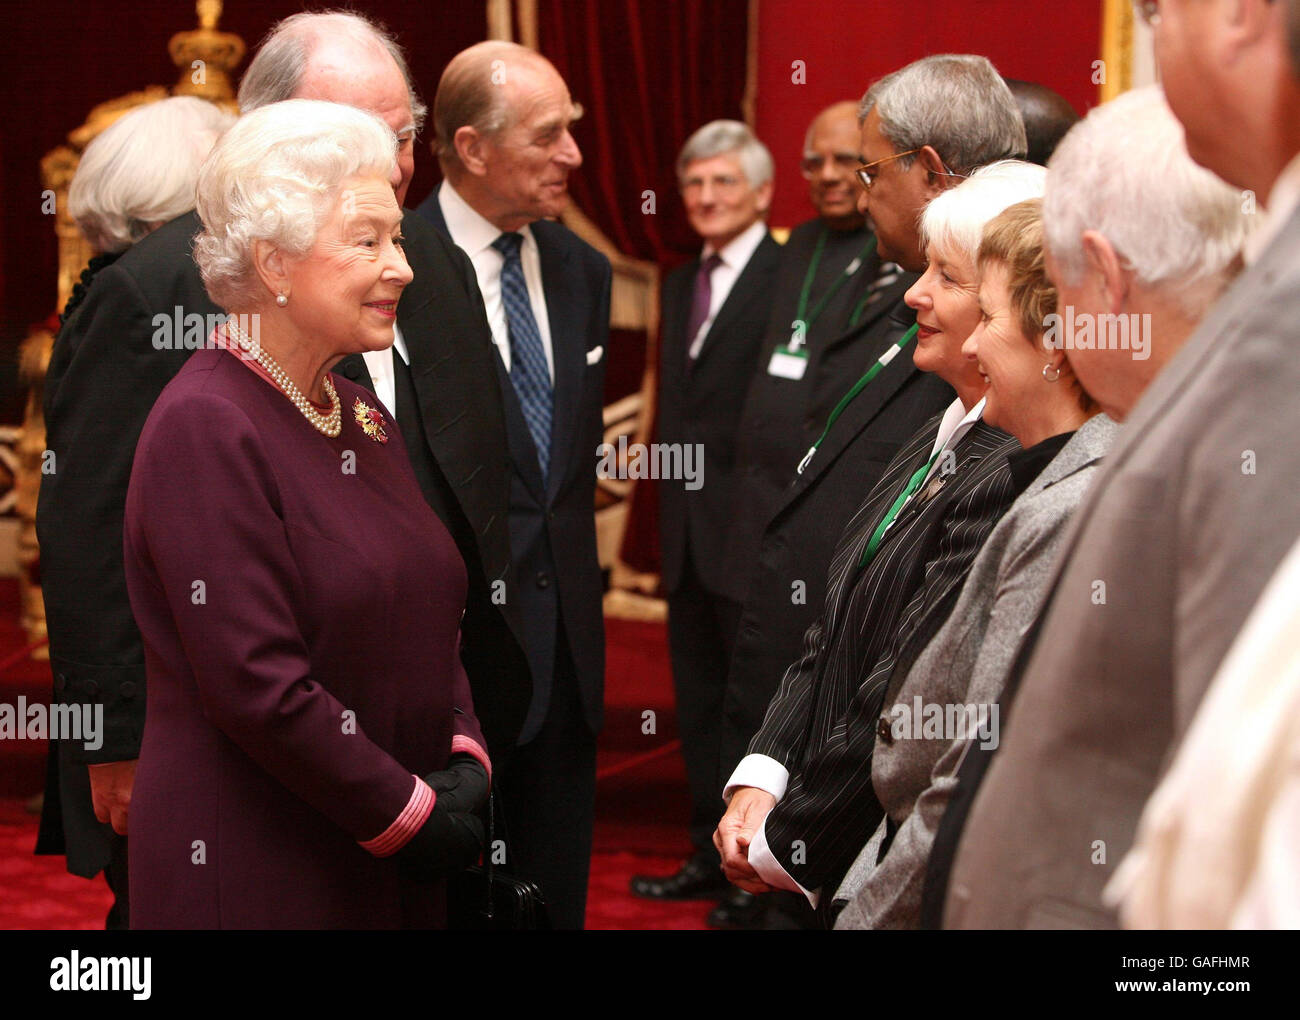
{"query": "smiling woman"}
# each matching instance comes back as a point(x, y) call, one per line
point(306, 698)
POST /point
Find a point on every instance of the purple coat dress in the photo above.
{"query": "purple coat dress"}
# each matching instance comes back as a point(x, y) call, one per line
point(300, 606)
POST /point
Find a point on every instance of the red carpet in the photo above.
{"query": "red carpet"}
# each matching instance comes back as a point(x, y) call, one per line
point(641, 804)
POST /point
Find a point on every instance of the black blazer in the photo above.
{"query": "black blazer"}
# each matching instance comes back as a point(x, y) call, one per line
point(700, 406)
point(781, 561)
point(558, 582)
point(822, 723)
point(107, 368)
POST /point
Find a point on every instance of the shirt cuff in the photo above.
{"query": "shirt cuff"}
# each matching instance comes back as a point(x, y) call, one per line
point(769, 869)
point(760, 772)
point(405, 825)
point(461, 744)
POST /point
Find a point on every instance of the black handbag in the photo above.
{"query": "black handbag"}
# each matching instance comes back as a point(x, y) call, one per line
point(486, 899)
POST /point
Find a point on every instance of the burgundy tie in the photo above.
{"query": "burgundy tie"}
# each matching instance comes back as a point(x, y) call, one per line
point(700, 305)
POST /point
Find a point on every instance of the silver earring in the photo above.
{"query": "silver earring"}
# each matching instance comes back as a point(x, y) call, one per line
point(282, 299)
point(1055, 372)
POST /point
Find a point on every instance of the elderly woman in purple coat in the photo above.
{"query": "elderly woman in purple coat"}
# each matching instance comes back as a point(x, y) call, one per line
point(311, 758)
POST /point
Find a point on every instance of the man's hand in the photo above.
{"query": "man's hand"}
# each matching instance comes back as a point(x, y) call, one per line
point(110, 792)
point(748, 807)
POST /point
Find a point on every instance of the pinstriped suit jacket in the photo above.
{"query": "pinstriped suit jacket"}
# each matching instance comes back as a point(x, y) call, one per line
point(821, 723)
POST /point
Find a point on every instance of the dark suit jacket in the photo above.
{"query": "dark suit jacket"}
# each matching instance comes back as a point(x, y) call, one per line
point(780, 552)
point(552, 529)
point(700, 406)
point(821, 725)
point(106, 371)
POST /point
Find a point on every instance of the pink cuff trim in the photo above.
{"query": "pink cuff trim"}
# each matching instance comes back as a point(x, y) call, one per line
point(461, 744)
point(405, 825)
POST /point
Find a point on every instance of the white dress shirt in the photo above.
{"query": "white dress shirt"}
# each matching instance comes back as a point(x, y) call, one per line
point(380, 366)
point(764, 773)
point(474, 236)
point(735, 256)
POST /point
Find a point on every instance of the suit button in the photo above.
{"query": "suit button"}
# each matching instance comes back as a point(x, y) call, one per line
point(127, 690)
point(543, 579)
point(91, 687)
point(60, 681)
point(884, 732)
point(352, 372)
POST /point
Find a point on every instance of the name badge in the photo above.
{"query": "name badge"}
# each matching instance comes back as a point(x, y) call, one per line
point(788, 364)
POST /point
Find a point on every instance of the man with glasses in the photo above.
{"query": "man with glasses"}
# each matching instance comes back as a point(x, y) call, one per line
point(715, 310)
point(836, 307)
point(922, 129)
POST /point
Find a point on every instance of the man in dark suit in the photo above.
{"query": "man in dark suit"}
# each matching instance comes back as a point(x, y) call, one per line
point(796, 554)
point(502, 117)
point(715, 312)
point(111, 361)
point(849, 307)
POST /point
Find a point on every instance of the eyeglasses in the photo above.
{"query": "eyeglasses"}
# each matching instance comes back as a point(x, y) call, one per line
point(866, 178)
point(1148, 11)
point(812, 164)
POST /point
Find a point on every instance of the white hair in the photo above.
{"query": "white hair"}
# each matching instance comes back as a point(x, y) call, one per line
point(954, 222)
point(723, 137)
point(956, 103)
point(140, 171)
point(1124, 172)
point(276, 71)
point(275, 176)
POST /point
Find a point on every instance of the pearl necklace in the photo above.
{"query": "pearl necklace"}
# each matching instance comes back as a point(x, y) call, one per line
point(327, 424)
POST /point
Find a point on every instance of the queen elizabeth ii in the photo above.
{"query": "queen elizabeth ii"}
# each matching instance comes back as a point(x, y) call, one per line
point(299, 601)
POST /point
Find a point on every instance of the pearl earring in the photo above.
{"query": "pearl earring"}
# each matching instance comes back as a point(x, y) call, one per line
point(282, 299)
point(1056, 372)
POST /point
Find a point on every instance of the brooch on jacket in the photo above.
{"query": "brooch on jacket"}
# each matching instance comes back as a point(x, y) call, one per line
point(370, 420)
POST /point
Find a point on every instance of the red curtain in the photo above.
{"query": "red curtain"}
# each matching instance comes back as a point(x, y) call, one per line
point(648, 72)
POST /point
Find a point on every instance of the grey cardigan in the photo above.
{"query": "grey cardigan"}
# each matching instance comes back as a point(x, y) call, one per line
point(966, 663)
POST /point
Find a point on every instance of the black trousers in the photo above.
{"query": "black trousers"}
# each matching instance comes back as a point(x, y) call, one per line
point(702, 627)
point(548, 799)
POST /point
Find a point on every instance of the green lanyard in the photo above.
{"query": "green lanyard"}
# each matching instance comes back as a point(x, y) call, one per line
point(858, 387)
point(850, 271)
point(877, 536)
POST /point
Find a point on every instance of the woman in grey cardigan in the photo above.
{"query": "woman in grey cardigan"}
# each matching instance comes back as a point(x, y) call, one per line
point(948, 697)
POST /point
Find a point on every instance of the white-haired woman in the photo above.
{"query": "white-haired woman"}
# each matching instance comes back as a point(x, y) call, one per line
point(945, 690)
point(906, 550)
point(137, 174)
point(299, 601)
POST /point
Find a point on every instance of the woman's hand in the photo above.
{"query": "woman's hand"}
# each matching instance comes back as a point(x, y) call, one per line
point(462, 785)
point(449, 841)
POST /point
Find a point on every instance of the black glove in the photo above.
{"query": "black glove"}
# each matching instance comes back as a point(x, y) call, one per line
point(449, 841)
point(462, 785)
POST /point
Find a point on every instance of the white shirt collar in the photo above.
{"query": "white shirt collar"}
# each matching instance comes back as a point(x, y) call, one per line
point(956, 423)
point(736, 252)
point(1282, 202)
point(472, 233)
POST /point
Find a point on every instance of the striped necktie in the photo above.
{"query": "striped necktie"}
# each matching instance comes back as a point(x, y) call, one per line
point(529, 373)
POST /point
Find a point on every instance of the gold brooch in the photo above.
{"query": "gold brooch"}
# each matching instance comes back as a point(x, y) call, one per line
point(370, 420)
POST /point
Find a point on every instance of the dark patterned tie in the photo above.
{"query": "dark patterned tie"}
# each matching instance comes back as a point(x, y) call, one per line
point(700, 304)
point(528, 371)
